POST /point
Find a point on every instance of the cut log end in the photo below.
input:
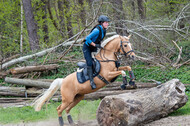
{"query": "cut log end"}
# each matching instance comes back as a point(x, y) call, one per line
point(114, 111)
point(142, 106)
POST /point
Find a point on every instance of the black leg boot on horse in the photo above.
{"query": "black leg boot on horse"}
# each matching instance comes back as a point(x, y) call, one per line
point(90, 74)
point(61, 123)
point(123, 86)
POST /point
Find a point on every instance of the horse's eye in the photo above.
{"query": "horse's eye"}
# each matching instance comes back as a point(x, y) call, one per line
point(125, 45)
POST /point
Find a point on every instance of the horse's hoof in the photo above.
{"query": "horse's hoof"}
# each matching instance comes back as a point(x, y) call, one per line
point(61, 123)
point(70, 120)
point(123, 86)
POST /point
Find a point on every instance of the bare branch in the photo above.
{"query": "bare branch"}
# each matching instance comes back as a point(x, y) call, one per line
point(179, 55)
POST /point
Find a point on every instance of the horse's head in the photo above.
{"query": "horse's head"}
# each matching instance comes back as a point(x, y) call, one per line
point(125, 47)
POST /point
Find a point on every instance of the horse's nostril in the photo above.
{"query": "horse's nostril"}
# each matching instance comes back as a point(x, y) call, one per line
point(132, 57)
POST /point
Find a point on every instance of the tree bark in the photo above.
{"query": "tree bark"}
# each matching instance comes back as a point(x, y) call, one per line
point(28, 69)
point(31, 25)
point(131, 109)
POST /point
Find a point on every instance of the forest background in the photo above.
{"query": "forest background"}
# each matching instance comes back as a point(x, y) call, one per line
point(160, 32)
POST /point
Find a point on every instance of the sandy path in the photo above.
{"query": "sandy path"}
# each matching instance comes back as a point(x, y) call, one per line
point(168, 121)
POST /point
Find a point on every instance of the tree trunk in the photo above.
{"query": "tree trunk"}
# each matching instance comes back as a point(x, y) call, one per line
point(21, 27)
point(68, 18)
point(51, 16)
point(82, 12)
point(141, 9)
point(44, 17)
point(133, 9)
point(131, 109)
point(28, 69)
point(27, 82)
point(61, 16)
point(118, 4)
point(31, 25)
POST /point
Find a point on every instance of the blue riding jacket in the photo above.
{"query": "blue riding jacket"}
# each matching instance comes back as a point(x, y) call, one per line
point(95, 37)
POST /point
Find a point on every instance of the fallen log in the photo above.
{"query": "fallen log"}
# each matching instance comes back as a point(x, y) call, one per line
point(102, 94)
point(10, 58)
point(21, 92)
point(131, 109)
point(27, 82)
point(14, 100)
point(3, 74)
point(28, 69)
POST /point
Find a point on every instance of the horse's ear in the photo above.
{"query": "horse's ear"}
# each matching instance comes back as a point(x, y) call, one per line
point(129, 36)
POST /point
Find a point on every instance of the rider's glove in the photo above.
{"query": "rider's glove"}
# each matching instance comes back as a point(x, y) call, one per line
point(98, 46)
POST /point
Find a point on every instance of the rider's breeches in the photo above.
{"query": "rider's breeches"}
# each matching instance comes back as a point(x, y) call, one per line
point(87, 55)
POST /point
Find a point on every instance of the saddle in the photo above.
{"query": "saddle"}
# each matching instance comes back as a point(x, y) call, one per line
point(82, 75)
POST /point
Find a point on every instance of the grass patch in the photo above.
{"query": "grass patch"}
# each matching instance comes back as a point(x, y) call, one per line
point(185, 110)
point(85, 110)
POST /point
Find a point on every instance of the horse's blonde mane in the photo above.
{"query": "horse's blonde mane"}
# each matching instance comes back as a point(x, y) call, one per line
point(105, 42)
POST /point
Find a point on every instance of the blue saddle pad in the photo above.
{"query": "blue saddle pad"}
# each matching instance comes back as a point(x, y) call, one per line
point(82, 74)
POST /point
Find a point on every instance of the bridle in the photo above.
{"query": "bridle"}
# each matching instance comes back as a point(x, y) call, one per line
point(125, 53)
point(115, 53)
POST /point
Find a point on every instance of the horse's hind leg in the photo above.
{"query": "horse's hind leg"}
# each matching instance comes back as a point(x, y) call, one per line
point(60, 109)
point(77, 99)
point(63, 106)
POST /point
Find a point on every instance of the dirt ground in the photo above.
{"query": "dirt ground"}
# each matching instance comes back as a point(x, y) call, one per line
point(168, 121)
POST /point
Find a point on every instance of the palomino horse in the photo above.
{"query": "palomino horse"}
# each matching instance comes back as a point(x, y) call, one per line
point(73, 92)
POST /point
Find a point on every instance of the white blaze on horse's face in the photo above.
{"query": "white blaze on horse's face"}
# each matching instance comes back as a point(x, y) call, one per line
point(127, 45)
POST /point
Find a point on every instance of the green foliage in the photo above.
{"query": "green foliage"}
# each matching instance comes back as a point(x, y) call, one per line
point(163, 7)
point(85, 110)
point(188, 89)
point(9, 25)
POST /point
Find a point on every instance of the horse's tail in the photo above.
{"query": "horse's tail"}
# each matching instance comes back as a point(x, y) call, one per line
point(46, 96)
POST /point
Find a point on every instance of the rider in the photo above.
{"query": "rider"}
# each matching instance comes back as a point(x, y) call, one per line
point(92, 42)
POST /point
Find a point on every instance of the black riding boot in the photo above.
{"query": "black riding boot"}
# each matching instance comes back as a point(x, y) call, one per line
point(90, 74)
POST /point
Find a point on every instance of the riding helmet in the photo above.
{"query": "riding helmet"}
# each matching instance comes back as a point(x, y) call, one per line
point(103, 18)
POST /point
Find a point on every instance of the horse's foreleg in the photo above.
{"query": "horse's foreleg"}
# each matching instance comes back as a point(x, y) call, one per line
point(128, 68)
point(114, 74)
point(131, 75)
